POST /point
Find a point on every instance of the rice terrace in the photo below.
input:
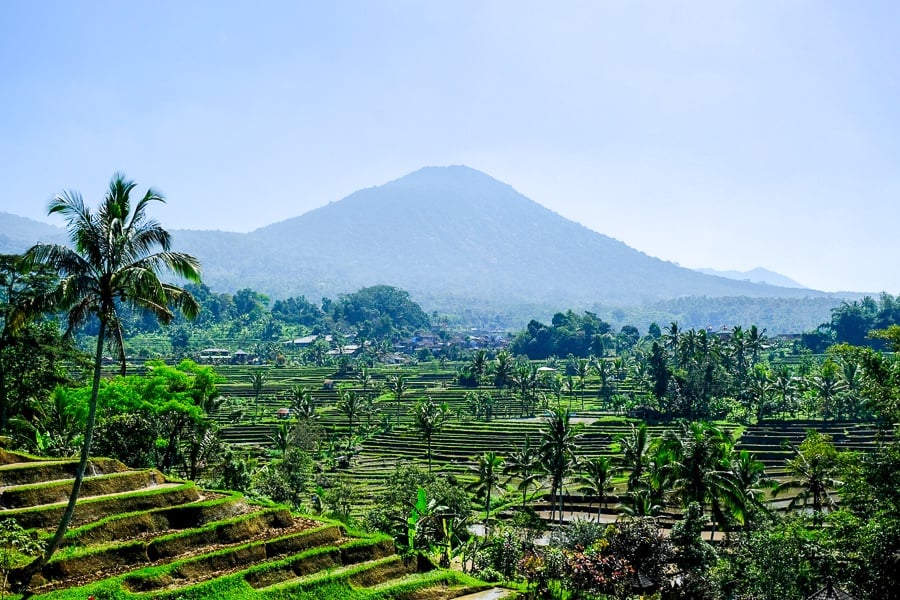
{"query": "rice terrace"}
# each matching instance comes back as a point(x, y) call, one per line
point(362, 448)
point(432, 300)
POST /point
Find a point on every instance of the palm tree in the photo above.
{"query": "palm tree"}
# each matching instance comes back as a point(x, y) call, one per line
point(640, 503)
point(258, 379)
point(117, 257)
point(828, 385)
point(352, 406)
point(581, 370)
point(364, 379)
point(487, 472)
point(398, 386)
point(634, 451)
point(524, 464)
point(502, 368)
point(479, 364)
point(559, 444)
point(756, 340)
point(673, 336)
point(752, 481)
point(597, 479)
point(784, 385)
point(700, 458)
point(430, 417)
point(303, 405)
point(812, 473)
point(282, 438)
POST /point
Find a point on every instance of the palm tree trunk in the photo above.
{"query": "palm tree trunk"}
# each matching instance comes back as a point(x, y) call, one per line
point(24, 578)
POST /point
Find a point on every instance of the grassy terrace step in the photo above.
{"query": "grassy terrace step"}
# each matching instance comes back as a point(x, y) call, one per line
point(93, 509)
point(23, 473)
point(307, 568)
point(108, 559)
point(431, 585)
point(126, 526)
point(239, 557)
point(7, 457)
point(36, 494)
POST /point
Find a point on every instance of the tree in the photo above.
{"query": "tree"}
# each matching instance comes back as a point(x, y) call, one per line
point(700, 458)
point(430, 417)
point(258, 379)
point(559, 445)
point(502, 368)
point(812, 472)
point(828, 385)
point(596, 479)
point(582, 366)
point(118, 255)
point(24, 346)
point(752, 481)
point(634, 450)
point(487, 471)
point(398, 386)
point(353, 406)
point(303, 405)
point(524, 463)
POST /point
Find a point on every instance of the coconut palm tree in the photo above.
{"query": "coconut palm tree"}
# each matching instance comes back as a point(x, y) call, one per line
point(117, 256)
point(524, 464)
point(596, 479)
point(699, 455)
point(258, 380)
point(559, 445)
point(364, 379)
point(812, 472)
point(785, 385)
point(430, 417)
point(634, 451)
point(487, 472)
point(303, 405)
point(582, 366)
point(828, 386)
point(353, 406)
point(752, 480)
point(398, 385)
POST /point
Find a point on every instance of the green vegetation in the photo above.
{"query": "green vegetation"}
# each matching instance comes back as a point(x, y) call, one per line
point(458, 447)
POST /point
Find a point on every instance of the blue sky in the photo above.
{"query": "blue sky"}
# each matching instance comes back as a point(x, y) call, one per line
point(713, 134)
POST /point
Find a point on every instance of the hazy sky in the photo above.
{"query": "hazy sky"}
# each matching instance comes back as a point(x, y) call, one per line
point(717, 134)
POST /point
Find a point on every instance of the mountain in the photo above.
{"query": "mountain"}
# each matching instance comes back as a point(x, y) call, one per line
point(757, 275)
point(451, 236)
point(454, 234)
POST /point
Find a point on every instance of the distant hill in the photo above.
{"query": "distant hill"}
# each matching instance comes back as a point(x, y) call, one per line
point(757, 275)
point(18, 233)
point(455, 238)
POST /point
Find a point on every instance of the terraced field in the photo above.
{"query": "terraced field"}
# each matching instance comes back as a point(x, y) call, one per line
point(138, 534)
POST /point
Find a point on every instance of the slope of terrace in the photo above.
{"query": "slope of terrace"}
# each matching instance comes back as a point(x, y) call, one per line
point(138, 534)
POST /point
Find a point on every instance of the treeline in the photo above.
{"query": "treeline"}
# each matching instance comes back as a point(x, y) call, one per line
point(852, 322)
point(376, 313)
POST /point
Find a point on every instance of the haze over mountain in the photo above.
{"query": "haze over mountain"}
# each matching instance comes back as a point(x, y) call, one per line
point(757, 275)
point(450, 236)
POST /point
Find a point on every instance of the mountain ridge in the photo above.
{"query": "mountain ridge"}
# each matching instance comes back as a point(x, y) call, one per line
point(757, 275)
